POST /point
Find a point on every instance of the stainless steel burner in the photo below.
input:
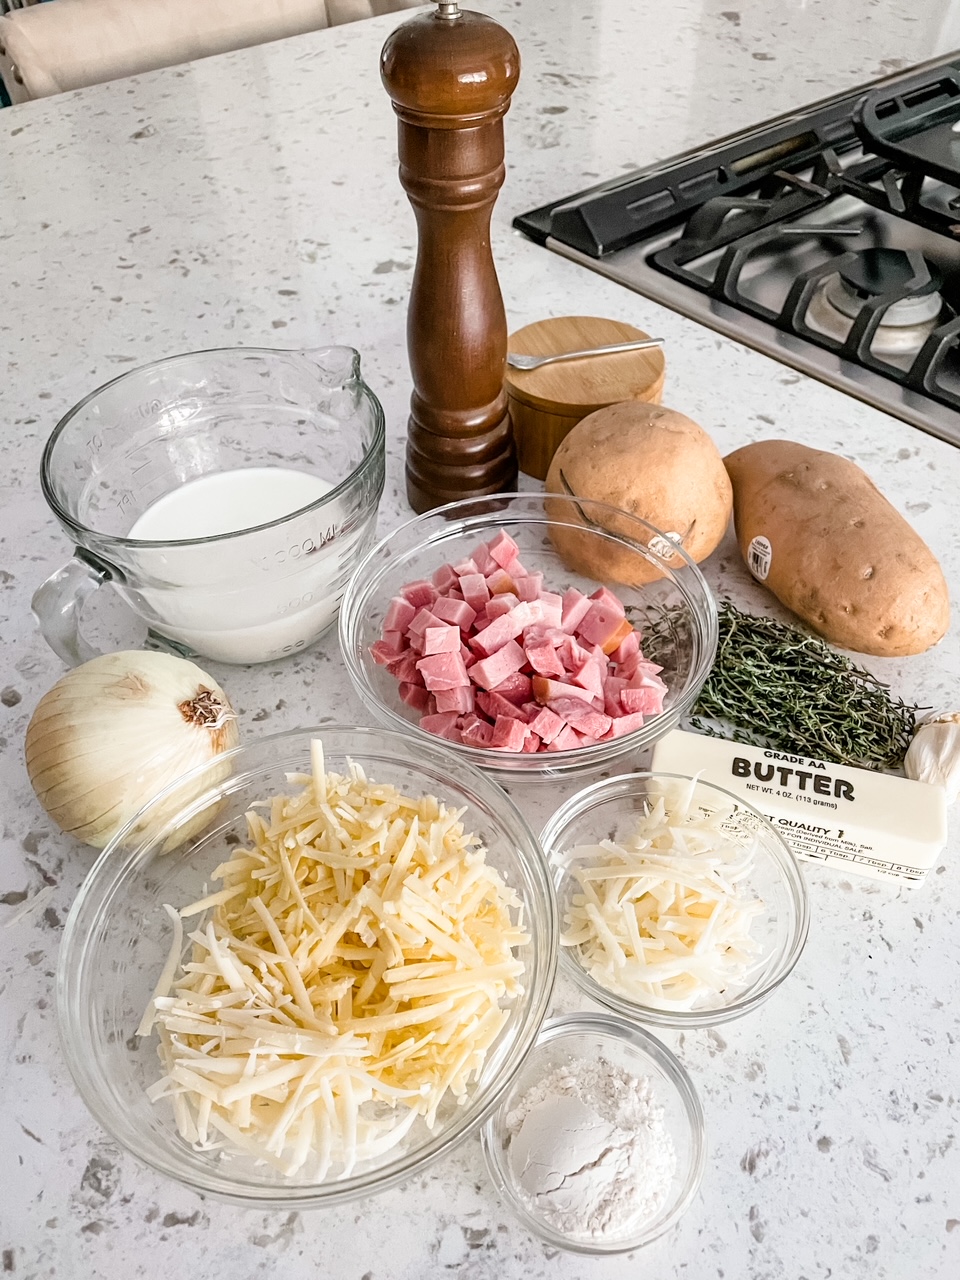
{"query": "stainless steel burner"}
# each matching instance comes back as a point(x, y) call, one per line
point(905, 324)
point(877, 272)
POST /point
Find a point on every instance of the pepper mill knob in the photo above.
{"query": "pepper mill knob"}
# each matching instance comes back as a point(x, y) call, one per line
point(451, 74)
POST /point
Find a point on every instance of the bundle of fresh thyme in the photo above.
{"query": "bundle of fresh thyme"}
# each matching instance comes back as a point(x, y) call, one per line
point(776, 686)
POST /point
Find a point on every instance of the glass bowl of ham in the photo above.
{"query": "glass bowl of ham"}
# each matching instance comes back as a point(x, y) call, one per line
point(512, 627)
point(680, 904)
point(324, 991)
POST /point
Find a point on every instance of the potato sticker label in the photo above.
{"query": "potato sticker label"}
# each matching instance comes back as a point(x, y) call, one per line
point(665, 546)
point(759, 557)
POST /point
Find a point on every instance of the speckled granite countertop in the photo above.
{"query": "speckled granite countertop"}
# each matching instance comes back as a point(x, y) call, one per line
point(252, 199)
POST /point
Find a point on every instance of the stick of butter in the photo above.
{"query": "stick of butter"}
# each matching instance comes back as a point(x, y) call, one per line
point(872, 823)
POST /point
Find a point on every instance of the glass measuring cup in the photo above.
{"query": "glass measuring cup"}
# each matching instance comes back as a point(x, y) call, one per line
point(249, 596)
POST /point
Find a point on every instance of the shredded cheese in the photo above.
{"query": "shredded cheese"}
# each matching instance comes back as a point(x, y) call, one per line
point(351, 973)
point(664, 918)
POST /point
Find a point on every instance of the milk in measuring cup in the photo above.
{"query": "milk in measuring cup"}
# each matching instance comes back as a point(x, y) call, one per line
point(254, 598)
point(227, 502)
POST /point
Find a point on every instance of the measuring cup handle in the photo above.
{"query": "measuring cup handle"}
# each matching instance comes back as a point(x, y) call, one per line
point(57, 606)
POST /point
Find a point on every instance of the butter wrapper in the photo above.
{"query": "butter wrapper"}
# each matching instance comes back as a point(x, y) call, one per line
point(870, 823)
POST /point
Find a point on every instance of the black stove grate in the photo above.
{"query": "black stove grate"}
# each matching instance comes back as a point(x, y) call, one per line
point(741, 226)
point(749, 234)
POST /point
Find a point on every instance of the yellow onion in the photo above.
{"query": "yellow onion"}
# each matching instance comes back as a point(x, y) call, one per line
point(111, 734)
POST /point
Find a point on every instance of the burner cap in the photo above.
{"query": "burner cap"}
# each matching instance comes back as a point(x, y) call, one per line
point(879, 271)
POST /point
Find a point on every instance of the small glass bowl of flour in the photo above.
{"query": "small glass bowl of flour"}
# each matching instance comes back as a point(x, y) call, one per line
point(598, 1146)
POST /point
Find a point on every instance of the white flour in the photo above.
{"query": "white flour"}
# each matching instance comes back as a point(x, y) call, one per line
point(589, 1150)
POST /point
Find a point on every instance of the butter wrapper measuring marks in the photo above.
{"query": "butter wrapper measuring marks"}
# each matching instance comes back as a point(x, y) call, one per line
point(871, 823)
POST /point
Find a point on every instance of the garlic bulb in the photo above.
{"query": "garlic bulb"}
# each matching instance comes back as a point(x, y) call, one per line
point(934, 754)
point(114, 732)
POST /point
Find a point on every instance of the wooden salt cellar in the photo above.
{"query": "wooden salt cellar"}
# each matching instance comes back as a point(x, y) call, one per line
point(547, 403)
point(450, 74)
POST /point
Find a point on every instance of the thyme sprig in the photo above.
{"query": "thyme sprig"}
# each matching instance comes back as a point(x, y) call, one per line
point(775, 686)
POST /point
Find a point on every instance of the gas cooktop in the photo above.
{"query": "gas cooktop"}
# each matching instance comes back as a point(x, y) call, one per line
point(828, 238)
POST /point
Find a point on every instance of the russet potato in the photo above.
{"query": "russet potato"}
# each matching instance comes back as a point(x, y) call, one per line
point(839, 555)
point(651, 462)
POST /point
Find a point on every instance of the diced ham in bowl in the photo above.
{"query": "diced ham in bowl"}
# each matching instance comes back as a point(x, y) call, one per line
point(491, 658)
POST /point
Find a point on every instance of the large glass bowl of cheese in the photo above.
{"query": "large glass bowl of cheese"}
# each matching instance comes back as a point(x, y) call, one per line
point(327, 988)
point(680, 903)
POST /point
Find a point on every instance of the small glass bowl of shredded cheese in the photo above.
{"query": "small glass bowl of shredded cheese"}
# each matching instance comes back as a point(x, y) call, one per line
point(680, 904)
point(324, 991)
point(598, 1147)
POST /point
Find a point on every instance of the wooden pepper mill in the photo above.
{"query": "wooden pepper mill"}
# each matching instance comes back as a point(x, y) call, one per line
point(450, 74)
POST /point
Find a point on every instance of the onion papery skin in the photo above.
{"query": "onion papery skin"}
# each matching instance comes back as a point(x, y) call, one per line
point(114, 732)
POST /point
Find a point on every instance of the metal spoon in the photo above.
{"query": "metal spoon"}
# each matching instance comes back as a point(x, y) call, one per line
point(534, 362)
